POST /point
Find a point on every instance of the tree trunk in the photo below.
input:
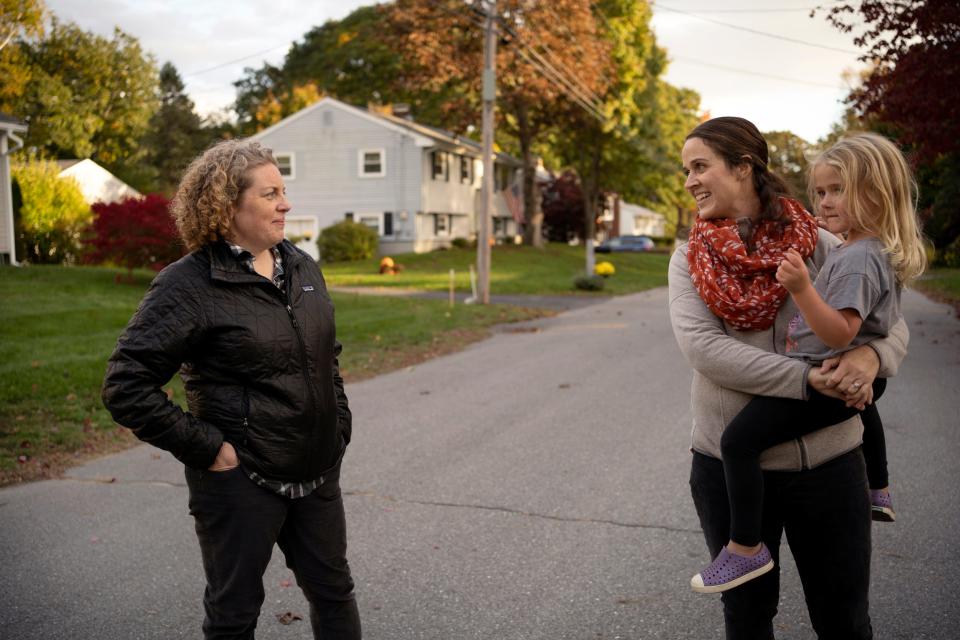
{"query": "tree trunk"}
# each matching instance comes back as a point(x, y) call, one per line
point(532, 214)
point(590, 186)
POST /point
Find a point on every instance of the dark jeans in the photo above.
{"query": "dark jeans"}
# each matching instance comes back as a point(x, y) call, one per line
point(766, 422)
point(238, 523)
point(825, 513)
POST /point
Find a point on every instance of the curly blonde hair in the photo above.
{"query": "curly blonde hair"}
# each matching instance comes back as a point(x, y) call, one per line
point(881, 197)
point(210, 189)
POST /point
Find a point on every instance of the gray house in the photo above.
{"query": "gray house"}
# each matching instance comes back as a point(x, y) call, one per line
point(9, 142)
point(419, 187)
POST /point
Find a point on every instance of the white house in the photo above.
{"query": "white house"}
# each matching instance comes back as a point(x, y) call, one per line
point(419, 187)
point(96, 183)
point(632, 219)
point(9, 142)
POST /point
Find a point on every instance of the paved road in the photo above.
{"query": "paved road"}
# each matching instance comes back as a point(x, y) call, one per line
point(553, 302)
point(532, 486)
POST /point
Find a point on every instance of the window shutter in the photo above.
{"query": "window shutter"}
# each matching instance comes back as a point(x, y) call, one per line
point(388, 223)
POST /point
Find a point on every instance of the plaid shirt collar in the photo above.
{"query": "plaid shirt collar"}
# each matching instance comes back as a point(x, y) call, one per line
point(246, 259)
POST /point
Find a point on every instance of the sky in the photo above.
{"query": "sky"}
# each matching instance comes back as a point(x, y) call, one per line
point(792, 81)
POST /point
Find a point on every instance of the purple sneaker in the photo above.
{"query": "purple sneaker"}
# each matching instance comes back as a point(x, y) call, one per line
point(881, 506)
point(730, 570)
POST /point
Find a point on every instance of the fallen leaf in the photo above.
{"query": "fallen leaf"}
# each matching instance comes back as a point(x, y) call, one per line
point(155, 456)
point(288, 618)
point(565, 385)
point(71, 397)
point(285, 583)
point(169, 393)
point(94, 539)
point(87, 421)
point(424, 393)
point(35, 364)
point(25, 444)
point(22, 459)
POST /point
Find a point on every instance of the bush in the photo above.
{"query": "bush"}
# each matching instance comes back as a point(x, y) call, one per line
point(134, 233)
point(464, 243)
point(588, 283)
point(49, 213)
point(949, 256)
point(347, 240)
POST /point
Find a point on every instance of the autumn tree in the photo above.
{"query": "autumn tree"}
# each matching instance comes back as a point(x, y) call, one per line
point(87, 96)
point(19, 20)
point(347, 59)
point(442, 43)
point(563, 217)
point(915, 45)
point(631, 144)
point(49, 214)
point(913, 93)
point(134, 233)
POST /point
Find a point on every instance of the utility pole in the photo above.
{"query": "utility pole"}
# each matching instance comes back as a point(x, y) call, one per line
point(486, 194)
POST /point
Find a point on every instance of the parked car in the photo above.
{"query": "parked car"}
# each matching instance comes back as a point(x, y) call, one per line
point(625, 243)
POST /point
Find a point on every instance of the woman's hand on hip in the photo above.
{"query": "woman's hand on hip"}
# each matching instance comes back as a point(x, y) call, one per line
point(226, 459)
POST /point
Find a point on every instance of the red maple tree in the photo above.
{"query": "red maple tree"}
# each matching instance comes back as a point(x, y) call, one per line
point(134, 233)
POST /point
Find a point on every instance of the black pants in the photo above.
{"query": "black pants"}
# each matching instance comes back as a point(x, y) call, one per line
point(766, 422)
point(238, 523)
point(825, 513)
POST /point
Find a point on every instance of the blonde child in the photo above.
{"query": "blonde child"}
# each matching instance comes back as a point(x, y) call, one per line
point(863, 190)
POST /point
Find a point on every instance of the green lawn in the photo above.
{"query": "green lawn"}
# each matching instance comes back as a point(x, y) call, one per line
point(58, 326)
point(941, 284)
point(514, 270)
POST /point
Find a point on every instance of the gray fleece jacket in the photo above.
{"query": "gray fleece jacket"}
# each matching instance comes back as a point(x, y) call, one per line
point(732, 365)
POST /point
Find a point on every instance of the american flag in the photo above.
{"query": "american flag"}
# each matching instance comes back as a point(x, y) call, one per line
point(512, 197)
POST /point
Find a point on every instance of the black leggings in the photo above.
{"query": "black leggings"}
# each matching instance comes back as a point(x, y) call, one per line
point(766, 422)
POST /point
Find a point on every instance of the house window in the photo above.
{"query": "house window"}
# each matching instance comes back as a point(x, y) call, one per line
point(438, 161)
point(348, 216)
point(388, 223)
point(286, 165)
point(498, 226)
point(441, 224)
point(372, 220)
point(466, 170)
point(300, 229)
point(370, 163)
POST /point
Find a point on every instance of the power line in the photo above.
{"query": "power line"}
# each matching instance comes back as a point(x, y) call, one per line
point(771, 9)
point(754, 73)
point(753, 31)
point(227, 64)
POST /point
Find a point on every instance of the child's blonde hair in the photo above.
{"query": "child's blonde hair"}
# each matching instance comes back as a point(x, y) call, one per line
point(880, 196)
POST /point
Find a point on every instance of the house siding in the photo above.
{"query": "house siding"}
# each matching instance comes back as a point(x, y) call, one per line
point(327, 184)
point(6, 210)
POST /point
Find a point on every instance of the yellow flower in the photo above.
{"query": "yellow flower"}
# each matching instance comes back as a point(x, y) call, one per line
point(604, 269)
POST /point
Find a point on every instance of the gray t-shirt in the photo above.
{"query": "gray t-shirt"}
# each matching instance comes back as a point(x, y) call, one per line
point(854, 276)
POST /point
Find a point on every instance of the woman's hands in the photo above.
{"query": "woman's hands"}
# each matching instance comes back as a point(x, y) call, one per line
point(849, 377)
point(226, 459)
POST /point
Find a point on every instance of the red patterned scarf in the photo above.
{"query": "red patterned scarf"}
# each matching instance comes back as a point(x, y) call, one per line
point(741, 287)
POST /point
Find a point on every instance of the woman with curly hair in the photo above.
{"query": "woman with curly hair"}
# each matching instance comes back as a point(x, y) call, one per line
point(246, 319)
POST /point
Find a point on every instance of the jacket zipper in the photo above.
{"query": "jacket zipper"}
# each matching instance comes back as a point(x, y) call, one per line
point(303, 355)
point(245, 410)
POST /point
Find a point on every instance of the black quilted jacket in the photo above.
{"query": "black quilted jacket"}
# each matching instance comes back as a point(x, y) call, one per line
point(259, 366)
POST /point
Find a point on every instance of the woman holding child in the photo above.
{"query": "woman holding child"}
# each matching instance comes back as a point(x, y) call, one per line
point(731, 319)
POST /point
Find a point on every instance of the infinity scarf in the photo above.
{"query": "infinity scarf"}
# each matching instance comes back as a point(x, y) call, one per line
point(740, 287)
